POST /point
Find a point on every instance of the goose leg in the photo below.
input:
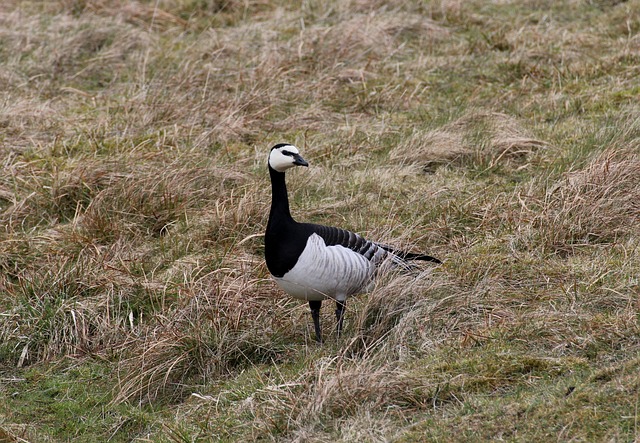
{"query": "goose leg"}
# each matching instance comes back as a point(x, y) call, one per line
point(315, 314)
point(340, 315)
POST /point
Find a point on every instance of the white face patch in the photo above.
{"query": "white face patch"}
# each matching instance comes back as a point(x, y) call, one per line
point(280, 161)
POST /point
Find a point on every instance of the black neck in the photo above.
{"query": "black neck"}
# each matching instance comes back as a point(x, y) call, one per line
point(283, 240)
point(279, 199)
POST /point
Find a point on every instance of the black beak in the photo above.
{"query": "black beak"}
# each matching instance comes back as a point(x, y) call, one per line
point(299, 161)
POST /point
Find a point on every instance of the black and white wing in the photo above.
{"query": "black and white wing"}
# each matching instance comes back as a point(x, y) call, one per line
point(372, 251)
point(337, 263)
point(341, 237)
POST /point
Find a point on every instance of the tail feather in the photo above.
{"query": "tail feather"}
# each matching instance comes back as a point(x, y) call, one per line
point(409, 255)
point(422, 257)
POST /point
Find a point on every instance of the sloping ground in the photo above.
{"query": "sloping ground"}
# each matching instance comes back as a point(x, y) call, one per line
point(500, 137)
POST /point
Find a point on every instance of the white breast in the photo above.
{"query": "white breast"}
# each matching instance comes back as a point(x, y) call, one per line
point(327, 271)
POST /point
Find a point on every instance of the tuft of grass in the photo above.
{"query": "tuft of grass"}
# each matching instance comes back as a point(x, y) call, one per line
point(223, 326)
point(595, 205)
point(476, 138)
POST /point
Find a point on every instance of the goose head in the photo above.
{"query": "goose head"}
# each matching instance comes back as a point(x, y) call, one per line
point(284, 156)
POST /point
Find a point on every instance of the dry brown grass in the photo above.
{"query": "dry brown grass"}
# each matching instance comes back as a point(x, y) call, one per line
point(225, 322)
point(487, 137)
point(404, 315)
point(597, 205)
point(133, 195)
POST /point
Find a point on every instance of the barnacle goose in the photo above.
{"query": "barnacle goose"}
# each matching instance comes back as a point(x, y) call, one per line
point(314, 262)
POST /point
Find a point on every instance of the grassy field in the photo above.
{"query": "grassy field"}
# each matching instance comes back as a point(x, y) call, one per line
point(502, 137)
